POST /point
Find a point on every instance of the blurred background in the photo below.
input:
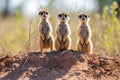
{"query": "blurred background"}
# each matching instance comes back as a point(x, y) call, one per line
point(17, 16)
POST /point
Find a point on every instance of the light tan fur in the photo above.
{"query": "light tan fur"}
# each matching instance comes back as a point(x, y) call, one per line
point(45, 31)
point(63, 41)
point(84, 43)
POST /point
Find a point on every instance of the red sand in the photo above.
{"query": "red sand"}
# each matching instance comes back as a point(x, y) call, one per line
point(66, 65)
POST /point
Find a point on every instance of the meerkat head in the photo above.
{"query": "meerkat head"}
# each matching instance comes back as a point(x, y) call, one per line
point(83, 18)
point(63, 17)
point(43, 14)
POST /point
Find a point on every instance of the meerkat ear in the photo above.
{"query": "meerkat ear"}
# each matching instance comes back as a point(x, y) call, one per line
point(48, 15)
point(68, 15)
point(88, 15)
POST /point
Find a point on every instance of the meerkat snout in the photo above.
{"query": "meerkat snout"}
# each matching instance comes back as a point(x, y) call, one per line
point(43, 14)
point(84, 18)
point(63, 17)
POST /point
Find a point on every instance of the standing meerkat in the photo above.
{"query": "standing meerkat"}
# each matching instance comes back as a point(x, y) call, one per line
point(84, 43)
point(63, 41)
point(45, 30)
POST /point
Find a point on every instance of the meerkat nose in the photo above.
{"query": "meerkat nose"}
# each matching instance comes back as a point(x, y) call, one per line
point(83, 18)
point(44, 15)
point(63, 18)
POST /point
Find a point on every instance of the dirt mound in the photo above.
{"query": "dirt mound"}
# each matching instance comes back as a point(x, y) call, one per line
point(65, 65)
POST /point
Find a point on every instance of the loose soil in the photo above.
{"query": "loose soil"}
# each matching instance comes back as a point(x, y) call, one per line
point(63, 65)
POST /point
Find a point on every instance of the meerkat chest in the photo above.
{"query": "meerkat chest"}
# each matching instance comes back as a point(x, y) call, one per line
point(45, 27)
point(84, 31)
point(63, 30)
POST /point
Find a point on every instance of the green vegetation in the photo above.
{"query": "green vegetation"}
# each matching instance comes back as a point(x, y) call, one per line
point(106, 32)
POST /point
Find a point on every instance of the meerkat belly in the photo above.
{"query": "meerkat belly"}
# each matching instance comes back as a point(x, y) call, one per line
point(62, 31)
point(45, 30)
point(84, 33)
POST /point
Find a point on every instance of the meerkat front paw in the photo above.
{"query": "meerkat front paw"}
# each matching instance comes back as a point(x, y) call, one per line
point(86, 41)
point(43, 38)
point(47, 37)
point(60, 38)
point(64, 39)
point(82, 41)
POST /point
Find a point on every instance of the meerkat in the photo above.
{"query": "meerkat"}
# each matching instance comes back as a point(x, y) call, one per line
point(45, 31)
point(84, 43)
point(63, 41)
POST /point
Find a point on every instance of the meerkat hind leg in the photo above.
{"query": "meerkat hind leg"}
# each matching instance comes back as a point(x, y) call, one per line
point(41, 45)
point(79, 47)
point(57, 45)
point(89, 47)
point(51, 43)
point(67, 44)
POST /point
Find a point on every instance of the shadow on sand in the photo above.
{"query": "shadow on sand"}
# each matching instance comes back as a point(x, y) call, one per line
point(53, 66)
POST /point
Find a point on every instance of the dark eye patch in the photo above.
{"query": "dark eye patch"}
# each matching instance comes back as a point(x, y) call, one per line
point(59, 15)
point(66, 16)
point(40, 13)
point(46, 13)
point(85, 16)
point(80, 16)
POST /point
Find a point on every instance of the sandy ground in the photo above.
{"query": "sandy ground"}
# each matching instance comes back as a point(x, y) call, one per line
point(64, 65)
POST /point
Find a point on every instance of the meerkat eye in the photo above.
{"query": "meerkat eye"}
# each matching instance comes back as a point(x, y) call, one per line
point(85, 16)
point(65, 16)
point(80, 16)
point(46, 13)
point(60, 16)
point(41, 13)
